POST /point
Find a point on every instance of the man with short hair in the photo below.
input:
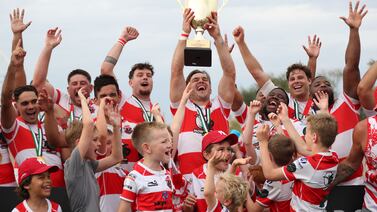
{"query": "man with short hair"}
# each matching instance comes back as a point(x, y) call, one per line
point(201, 114)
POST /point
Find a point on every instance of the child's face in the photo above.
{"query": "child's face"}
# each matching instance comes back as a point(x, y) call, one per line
point(160, 145)
point(109, 140)
point(221, 147)
point(220, 192)
point(91, 154)
point(40, 185)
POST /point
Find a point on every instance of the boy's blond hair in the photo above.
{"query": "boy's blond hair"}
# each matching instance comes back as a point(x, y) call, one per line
point(72, 133)
point(142, 131)
point(325, 126)
point(236, 190)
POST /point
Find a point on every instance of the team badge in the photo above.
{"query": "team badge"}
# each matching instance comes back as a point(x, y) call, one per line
point(291, 167)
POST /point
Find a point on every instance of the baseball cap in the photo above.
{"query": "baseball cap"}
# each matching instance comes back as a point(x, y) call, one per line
point(216, 136)
point(32, 166)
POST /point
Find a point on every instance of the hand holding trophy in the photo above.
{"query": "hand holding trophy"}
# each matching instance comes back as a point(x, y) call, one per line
point(198, 50)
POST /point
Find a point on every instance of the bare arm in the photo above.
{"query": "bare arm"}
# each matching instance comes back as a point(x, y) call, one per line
point(365, 89)
point(156, 112)
point(237, 100)
point(269, 171)
point(177, 80)
point(209, 186)
point(300, 144)
point(313, 49)
point(18, 26)
point(116, 144)
point(86, 137)
point(124, 206)
point(226, 86)
point(247, 135)
point(179, 116)
point(101, 125)
point(54, 137)
point(8, 113)
point(53, 39)
point(250, 61)
point(347, 167)
point(128, 34)
point(351, 73)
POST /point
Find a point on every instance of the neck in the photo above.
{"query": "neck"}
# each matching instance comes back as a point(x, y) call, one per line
point(316, 148)
point(200, 102)
point(152, 164)
point(302, 98)
point(142, 97)
point(37, 203)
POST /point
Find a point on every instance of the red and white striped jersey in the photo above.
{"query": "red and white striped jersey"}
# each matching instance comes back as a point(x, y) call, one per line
point(24, 207)
point(110, 182)
point(311, 175)
point(346, 112)
point(276, 195)
point(148, 190)
point(65, 108)
point(21, 146)
point(370, 198)
point(132, 115)
point(6, 169)
point(191, 134)
point(218, 208)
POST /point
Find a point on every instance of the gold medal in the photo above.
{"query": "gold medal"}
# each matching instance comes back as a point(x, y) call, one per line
point(41, 159)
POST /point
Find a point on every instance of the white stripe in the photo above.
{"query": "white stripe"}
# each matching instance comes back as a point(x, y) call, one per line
point(189, 142)
point(50, 159)
point(343, 143)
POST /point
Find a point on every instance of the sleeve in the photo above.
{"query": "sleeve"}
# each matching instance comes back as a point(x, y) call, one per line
point(73, 165)
point(129, 188)
point(267, 87)
point(241, 114)
point(354, 104)
point(174, 107)
point(370, 113)
point(10, 134)
point(300, 169)
point(59, 209)
point(57, 96)
point(225, 107)
point(268, 194)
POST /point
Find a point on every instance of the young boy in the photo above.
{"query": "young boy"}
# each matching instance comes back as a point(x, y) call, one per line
point(213, 142)
point(82, 187)
point(276, 195)
point(35, 186)
point(230, 191)
point(312, 174)
point(149, 186)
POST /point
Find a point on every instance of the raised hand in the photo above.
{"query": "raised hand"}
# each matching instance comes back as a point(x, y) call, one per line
point(129, 33)
point(18, 55)
point(218, 157)
point(230, 48)
point(188, 16)
point(156, 110)
point(355, 16)
point(45, 101)
point(241, 161)
point(53, 37)
point(255, 107)
point(187, 93)
point(282, 111)
point(17, 21)
point(263, 133)
point(321, 100)
point(239, 34)
point(274, 118)
point(212, 26)
point(115, 118)
point(314, 46)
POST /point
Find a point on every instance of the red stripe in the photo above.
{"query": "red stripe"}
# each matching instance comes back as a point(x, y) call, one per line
point(6, 173)
point(190, 161)
point(312, 195)
point(201, 205)
point(154, 201)
point(110, 183)
point(346, 118)
point(371, 194)
point(326, 162)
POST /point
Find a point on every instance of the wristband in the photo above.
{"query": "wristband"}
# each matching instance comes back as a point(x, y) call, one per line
point(183, 36)
point(122, 41)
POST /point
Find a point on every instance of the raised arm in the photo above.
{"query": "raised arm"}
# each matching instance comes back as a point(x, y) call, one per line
point(351, 72)
point(111, 59)
point(250, 61)
point(179, 116)
point(313, 49)
point(347, 167)
point(18, 26)
point(226, 86)
point(101, 124)
point(247, 135)
point(116, 144)
point(177, 79)
point(53, 39)
point(8, 113)
point(209, 185)
point(300, 144)
point(365, 89)
point(86, 137)
point(269, 171)
point(54, 137)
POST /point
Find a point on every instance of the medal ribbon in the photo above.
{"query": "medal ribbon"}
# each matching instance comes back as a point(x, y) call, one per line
point(299, 115)
point(205, 119)
point(38, 140)
point(149, 118)
point(72, 114)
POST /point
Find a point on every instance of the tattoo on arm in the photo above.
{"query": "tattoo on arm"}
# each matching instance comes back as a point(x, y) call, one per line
point(111, 60)
point(342, 173)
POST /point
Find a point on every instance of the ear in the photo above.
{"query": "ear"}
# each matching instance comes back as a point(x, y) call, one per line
point(315, 138)
point(130, 83)
point(67, 87)
point(227, 202)
point(206, 155)
point(146, 148)
point(91, 88)
point(77, 141)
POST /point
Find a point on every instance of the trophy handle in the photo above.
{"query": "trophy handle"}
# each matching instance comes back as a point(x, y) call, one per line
point(181, 4)
point(225, 2)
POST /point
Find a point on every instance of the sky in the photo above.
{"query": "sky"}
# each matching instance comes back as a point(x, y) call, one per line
point(274, 31)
